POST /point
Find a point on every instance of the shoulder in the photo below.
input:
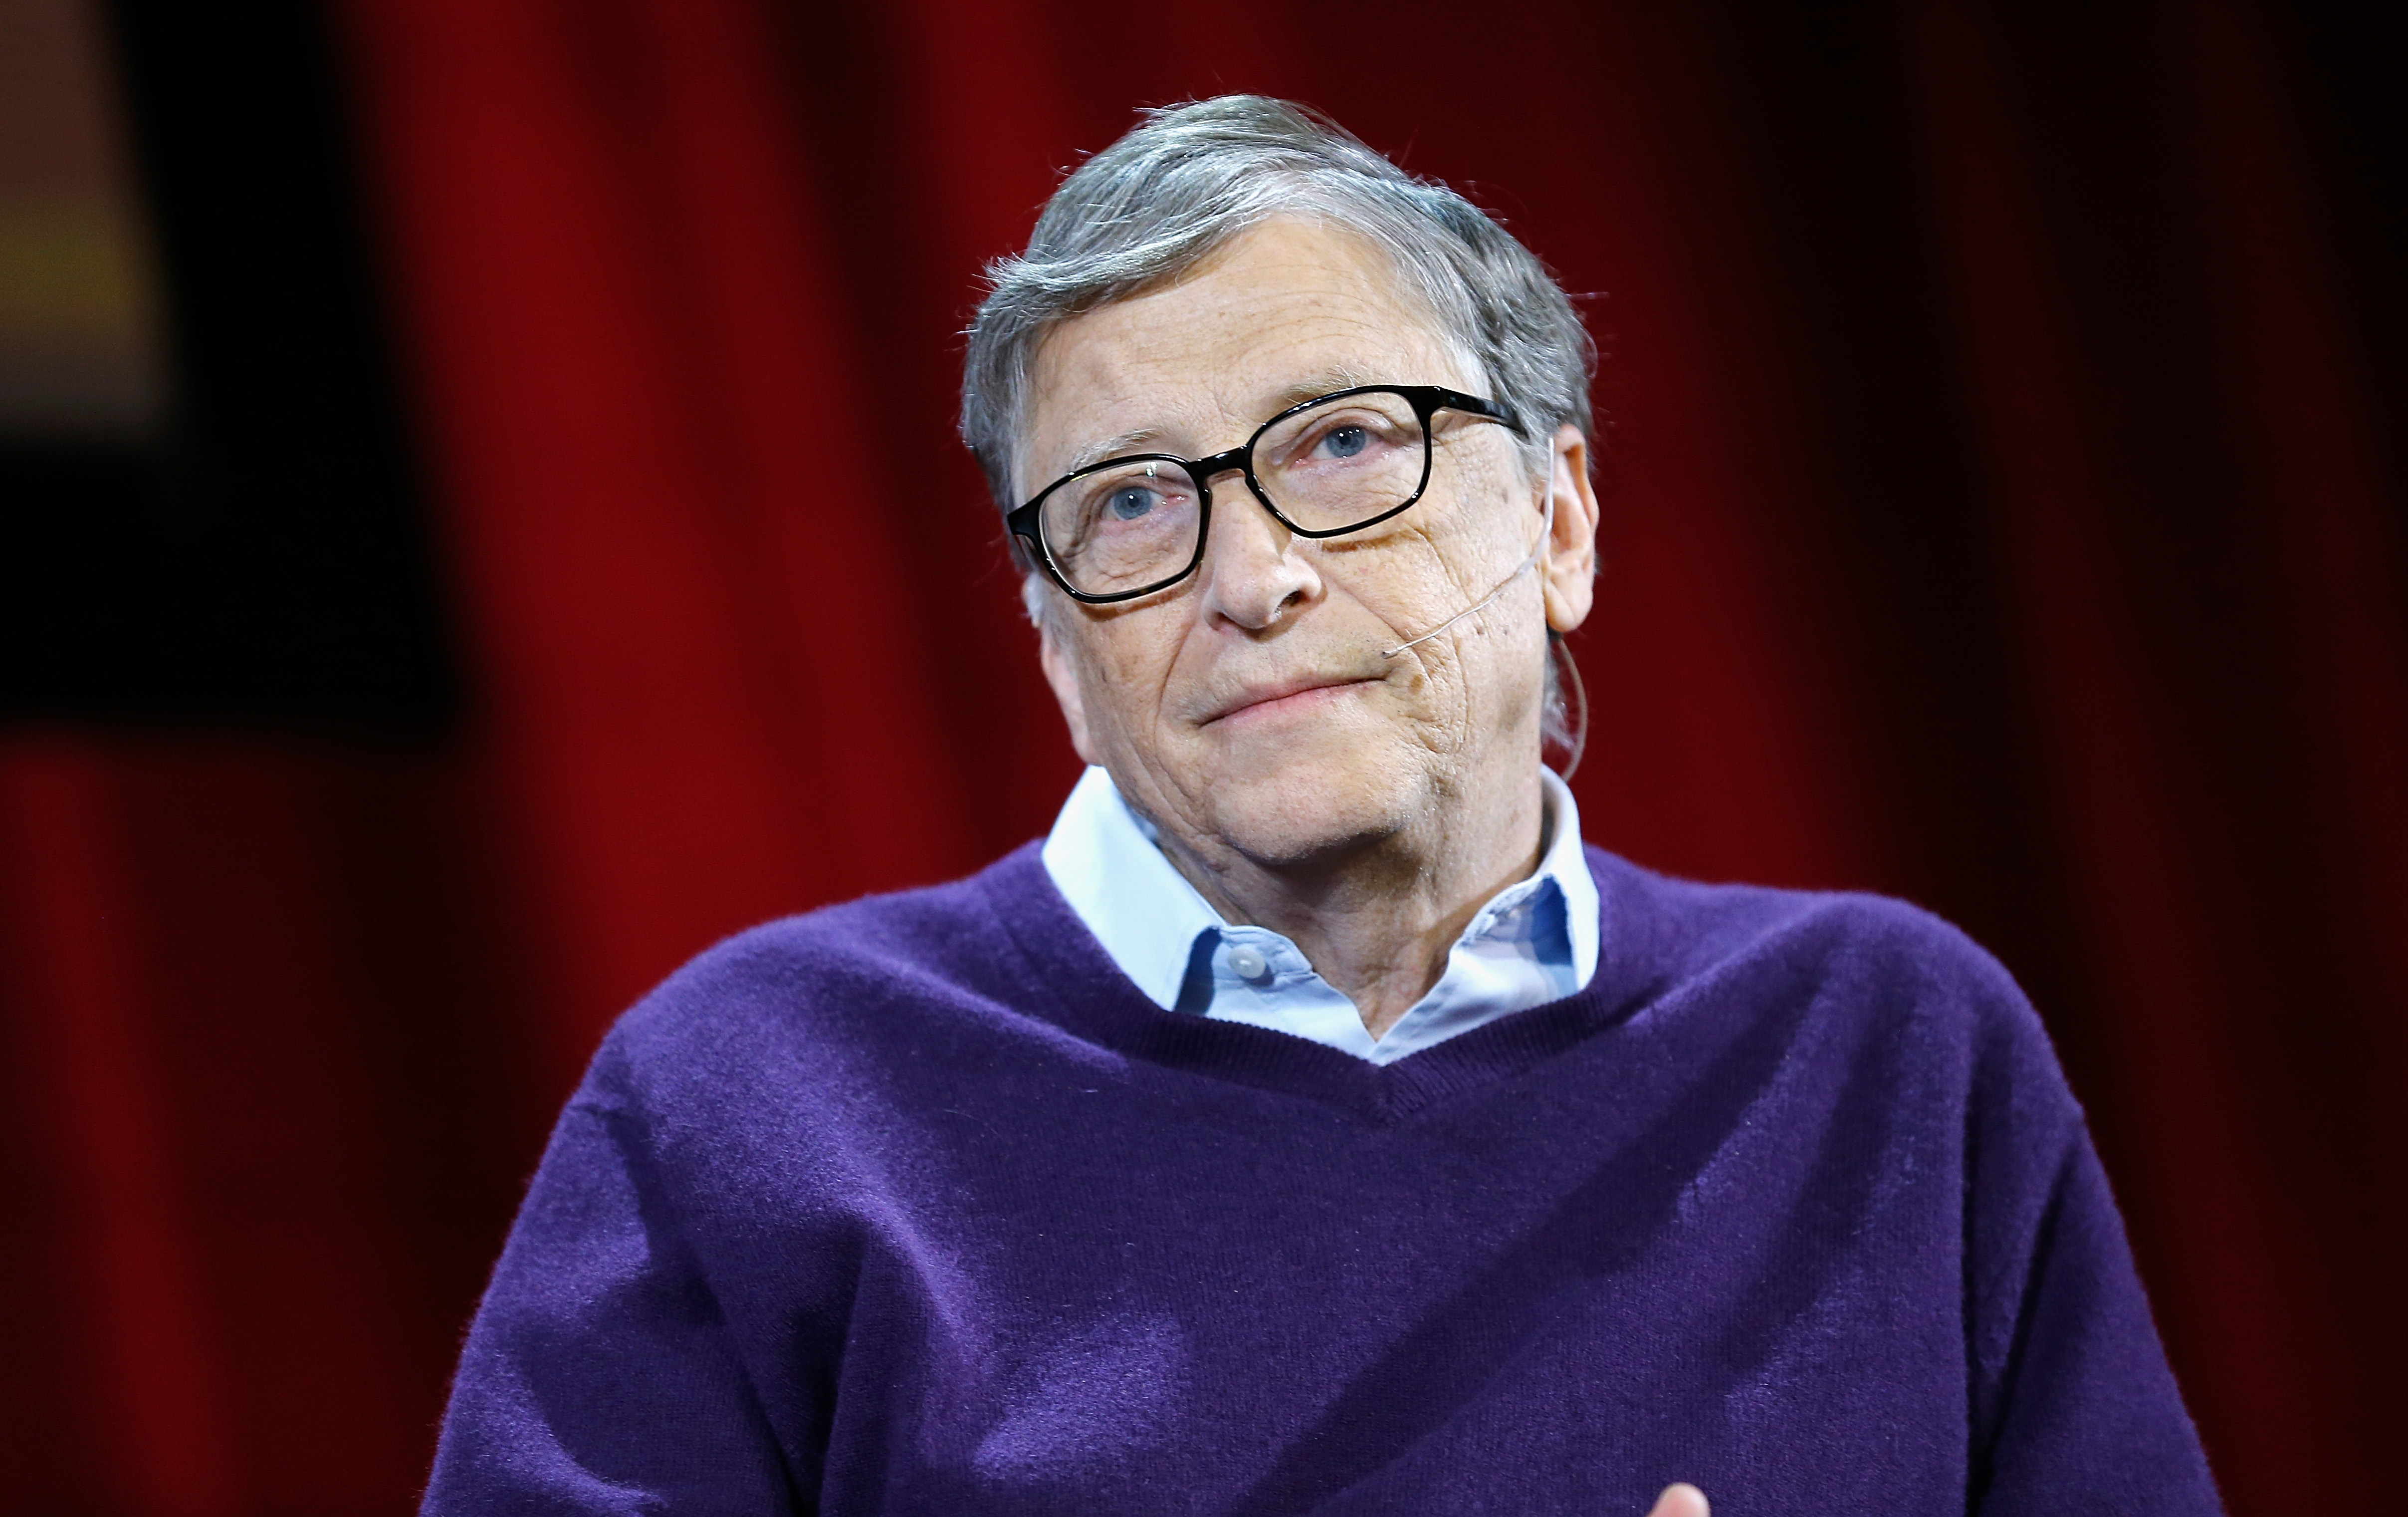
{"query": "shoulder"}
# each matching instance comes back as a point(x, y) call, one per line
point(1884, 968)
point(1695, 927)
point(875, 971)
point(1881, 1006)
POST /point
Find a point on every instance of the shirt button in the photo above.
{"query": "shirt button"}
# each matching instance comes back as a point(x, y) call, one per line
point(1248, 964)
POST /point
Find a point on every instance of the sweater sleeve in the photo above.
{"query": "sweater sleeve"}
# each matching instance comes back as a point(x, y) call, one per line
point(599, 1376)
point(2074, 1406)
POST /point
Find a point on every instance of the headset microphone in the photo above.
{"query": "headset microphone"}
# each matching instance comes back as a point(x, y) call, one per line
point(1537, 548)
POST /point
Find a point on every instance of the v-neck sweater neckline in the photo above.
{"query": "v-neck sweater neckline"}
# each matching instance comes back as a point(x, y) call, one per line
point(1068, 972)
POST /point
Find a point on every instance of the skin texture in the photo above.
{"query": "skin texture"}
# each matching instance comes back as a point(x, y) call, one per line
point(1364, 807)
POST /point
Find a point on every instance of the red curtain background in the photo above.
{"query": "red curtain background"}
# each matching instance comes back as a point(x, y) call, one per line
point(1997, 513)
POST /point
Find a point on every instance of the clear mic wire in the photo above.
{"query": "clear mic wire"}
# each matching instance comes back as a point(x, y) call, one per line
point(1556, 643)
point(1482, 604)
point(1545, 531)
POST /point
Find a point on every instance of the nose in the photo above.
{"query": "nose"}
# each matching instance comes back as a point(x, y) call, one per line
point(1251, 577)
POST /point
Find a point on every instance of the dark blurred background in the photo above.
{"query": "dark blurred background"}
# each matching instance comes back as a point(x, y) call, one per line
point(480, 519)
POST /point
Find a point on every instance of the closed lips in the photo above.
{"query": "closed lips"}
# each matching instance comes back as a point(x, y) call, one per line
point(1263, 695)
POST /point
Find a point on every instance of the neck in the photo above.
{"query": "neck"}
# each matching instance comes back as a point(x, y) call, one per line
point(1377, 918)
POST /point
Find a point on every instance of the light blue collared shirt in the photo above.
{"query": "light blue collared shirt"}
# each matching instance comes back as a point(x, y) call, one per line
point(1534, 942)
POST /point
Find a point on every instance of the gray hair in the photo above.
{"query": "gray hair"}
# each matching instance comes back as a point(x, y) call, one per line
point(1194, 176)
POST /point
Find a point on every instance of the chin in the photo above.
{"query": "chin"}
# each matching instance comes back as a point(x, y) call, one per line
point(1318, 796)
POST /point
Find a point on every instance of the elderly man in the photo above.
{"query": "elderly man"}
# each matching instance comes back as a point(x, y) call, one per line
point(1313, 1123)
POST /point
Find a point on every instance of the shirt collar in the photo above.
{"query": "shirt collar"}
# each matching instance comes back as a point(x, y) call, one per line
point(1103, 858)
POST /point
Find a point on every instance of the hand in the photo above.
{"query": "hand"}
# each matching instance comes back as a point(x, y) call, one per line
point(1680, 1499)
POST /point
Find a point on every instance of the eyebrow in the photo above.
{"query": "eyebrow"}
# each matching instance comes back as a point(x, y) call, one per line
point(1314, 386)
point(1309, 387)
point(1096, 452)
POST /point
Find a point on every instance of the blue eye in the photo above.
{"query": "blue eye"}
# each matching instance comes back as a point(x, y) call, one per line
point(1346, 442)
point(1130, 503)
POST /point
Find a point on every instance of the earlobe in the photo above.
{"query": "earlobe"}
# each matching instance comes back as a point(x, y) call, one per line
point(1064, 678)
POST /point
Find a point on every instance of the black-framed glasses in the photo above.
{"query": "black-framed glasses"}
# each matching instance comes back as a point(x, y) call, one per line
point(1336, 464)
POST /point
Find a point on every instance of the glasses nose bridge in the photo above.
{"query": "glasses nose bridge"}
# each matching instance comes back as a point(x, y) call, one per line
point(1237, 460)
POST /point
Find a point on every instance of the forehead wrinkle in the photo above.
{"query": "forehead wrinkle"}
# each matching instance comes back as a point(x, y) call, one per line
point(1312, 386)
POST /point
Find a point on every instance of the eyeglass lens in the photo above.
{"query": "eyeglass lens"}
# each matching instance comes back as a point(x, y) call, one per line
point(1134, 521)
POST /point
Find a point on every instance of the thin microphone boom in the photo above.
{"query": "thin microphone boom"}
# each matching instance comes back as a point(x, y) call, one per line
point(1486, 601)
point(1482, 604)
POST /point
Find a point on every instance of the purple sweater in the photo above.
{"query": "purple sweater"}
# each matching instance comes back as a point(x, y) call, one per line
point(915, 1205)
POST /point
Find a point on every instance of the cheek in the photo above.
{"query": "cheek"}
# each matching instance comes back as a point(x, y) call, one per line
point(1453, 704)
point(1122, 672)
point(1444, 565)
point(1483, 672)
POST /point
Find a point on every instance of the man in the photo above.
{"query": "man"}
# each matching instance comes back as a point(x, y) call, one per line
point(1312, 1124)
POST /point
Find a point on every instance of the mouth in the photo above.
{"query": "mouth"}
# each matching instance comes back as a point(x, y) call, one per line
point(1284, 697)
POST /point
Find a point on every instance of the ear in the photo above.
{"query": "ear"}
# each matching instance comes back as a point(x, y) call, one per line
point(1062, 675)
point(1571, 565)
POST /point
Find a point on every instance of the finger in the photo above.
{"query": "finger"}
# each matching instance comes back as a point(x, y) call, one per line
point(1680, 1499)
